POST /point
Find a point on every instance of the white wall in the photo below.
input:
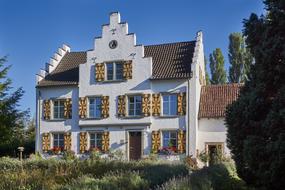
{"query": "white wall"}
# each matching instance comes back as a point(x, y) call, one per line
point(212, 131)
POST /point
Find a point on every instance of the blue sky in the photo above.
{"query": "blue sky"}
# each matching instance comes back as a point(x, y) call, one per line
point(32, 30)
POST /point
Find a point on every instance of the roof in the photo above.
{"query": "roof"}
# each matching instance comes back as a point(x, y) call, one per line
point(170, 61)
point(215, 98)
point(67, 71)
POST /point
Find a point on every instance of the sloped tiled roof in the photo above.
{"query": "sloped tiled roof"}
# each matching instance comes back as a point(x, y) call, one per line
point(170, 61)
point(67, 71)
point(215, 98)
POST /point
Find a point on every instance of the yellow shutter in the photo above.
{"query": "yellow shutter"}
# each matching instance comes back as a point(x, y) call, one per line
point(155, 141)
point(68, 108)
point(67, 141)
point(156, 105)
point(122, 106)
point(181, 103)
point(45, 142)
point(82, 107)
point(105, 106)
point(181, 141)
point(99, 72)
point(146, 104)
point(105, 141)
point(127, 70)
point(47, 109)
point(83, 142)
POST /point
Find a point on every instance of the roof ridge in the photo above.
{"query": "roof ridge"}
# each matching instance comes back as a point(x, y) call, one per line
point(170, 43)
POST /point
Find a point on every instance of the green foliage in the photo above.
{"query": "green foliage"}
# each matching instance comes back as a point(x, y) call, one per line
point(240, 59)
point(12, 120)
point(222, 176)
point(217, 67)
point(112, 180)
point(207, 77)
point(255, 122)
point(58, 173)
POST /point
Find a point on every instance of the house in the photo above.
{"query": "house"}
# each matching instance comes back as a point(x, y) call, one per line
point(134, 98)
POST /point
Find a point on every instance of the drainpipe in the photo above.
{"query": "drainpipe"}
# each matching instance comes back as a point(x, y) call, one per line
point(38, 120)
point(188, 117)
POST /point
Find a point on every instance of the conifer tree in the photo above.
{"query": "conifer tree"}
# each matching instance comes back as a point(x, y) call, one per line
point(11, 119)
point(256, 121)
point(239, 57)
point(217, 67)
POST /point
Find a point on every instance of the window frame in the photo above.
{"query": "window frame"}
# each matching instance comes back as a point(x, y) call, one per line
point(114, 69)
point(95, 139)
point(58, 139)
point(135, 106)
point(169, 138)
point(59, 109)
point(169, 114)
point(95, 107)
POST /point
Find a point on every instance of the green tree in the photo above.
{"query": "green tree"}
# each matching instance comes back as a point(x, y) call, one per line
point(239, 57)
point(12, 120)
point(256, 121)
point(217, 67)
point(207, 77)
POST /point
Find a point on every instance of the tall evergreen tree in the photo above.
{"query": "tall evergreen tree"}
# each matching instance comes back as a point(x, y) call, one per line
point(256, 121)
point(11, 119)
point(239, 57)
point(207, 77)
point(217, 67)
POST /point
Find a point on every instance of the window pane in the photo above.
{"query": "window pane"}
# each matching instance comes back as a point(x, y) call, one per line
point(98, 107)
point(173, 105)
point(165, 108)
point(110, 71)
point(119, 71)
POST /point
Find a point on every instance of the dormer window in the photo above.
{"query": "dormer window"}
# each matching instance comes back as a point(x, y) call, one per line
point(114, 71)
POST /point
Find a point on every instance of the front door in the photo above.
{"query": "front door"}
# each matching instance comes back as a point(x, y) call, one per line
point(135, 145)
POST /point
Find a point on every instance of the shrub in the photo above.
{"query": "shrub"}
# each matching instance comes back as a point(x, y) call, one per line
point(112, 180)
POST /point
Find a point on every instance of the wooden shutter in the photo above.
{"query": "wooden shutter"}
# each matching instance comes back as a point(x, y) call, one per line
point(156, 105)
point(45, 142)
point(82, 107)
point(105, 141)
point(83, 142)
point(146, 104)
point(127, 70)
point(67, 141)
point(122, 106)
point(155, 141)
point(99, 72)
point(181, 141)
point(181, 103)
point(47, 109)
point(68, 108)
point(105, 106)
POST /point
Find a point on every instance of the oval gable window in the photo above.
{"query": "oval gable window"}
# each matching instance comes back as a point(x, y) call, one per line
point(113, 44)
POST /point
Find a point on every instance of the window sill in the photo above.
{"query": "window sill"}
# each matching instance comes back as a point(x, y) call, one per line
point(168, 116)
point(133, 117)
point(113, 81)
point(56, 120)
point(93, 118)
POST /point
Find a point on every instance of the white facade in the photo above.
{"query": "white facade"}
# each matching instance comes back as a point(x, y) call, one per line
point(198, 132)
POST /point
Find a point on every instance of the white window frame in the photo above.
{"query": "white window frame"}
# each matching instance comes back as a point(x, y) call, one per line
point(58, 140)
point(135, 105)
point(94, 97)
point(169, 105)
point(169, 131)
point(95, 139)
point(114, 66)
point(58, 109)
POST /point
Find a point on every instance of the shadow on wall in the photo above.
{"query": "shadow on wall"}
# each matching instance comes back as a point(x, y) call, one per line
point(145, 85)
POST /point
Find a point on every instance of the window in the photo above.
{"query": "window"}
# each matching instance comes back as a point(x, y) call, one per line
point(58, 109)
point(95, 105)
point(169, 139)
point(58, 140)
point(169, 104)
point(96, 140)
point(135, 105)
point(114, 71)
